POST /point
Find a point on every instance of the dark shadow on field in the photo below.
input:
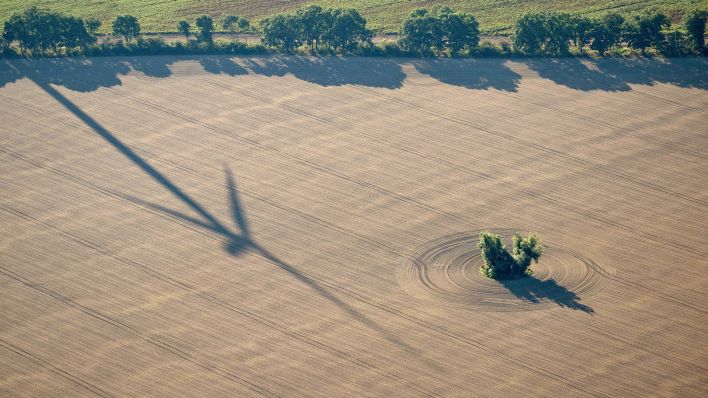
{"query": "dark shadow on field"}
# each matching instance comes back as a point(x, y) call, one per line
point(332, 71)
point(532, 290)
point(614, 74)
point(607, 74)
point(475, 74)
point(237, 238)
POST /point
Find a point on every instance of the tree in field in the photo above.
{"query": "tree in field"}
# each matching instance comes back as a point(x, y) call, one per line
point(126, 26)
point(606, 33)
point(499, 263)
point(695, 23)
point(644, 31)
point(205, 28)
point(421, 32)
point(235, 24)
point(282, 30)
point(347, 28)
point(315, 23)
point(184, 29)
point(544, 33)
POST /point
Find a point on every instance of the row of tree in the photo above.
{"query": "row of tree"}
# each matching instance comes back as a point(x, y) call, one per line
point(439, 31)
point(337, 28)
point(551, 33)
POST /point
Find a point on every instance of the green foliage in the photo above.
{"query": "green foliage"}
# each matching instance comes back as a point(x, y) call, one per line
point(644, 31)
point(438, 30)
point(494, 16)
point(347, 28)
point(583, 29)
point(92, 26)
point(205, 28)
point(607, 33)
point(315, 24)
point(283, 31)
point(499, 263)
point(546, 33)
point(126, 26)
point(338, 28)
point(695, 24)
point(40, 30)
point(184, 29)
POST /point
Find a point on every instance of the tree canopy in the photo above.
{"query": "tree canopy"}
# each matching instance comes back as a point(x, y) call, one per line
point(499, 263)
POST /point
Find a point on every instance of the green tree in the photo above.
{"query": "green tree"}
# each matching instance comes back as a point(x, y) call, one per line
point(73, 32)
point(282, 30)
point(348, 28)
point(606, 33)
point(205, 28)
point(695, 24)
point(184, 29)
point(460, 31)
point(525, 250)
point(499, 263)
point(40, 30)
point(315, 23)
point(544, 33)
point(421, 32)
point(582, 29)
point(92, 25)
point(644, 31)
point(126, 26)
point(235, 24)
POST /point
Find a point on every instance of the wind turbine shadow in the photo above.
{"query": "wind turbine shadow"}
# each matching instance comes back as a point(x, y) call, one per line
point(235, 243)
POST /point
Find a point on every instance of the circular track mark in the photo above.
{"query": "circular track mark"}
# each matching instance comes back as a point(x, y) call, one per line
point(447, 269)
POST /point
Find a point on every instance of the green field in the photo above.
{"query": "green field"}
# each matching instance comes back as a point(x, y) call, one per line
point(495, 16)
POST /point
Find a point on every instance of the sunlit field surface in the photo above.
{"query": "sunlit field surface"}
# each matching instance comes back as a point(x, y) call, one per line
point(292, 226)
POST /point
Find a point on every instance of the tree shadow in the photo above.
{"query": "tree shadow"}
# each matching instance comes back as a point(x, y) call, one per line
point(222, 64)
point(332, 70)
point(532, 290)
point(237, 239)
point(475, 74)
point(613, 74)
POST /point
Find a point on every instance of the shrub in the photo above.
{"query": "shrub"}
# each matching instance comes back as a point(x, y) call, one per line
point(499, 263)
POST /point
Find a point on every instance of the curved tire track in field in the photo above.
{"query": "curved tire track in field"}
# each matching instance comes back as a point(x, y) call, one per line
point(229, 135)
point(587, 214)
point(185, 286)
point(341, 289)
point(447, 269)
point(540, 147)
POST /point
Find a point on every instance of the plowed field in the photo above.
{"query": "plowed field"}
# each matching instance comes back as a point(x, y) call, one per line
point(291, 226)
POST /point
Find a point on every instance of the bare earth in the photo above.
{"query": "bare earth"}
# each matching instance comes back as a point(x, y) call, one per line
point(213, 226)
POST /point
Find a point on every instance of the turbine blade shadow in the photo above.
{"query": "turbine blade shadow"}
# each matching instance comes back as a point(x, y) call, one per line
point(235, 243)
point(236, 211)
